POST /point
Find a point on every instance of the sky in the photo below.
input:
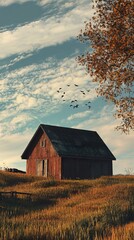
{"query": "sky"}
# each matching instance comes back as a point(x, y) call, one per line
point(38, 52)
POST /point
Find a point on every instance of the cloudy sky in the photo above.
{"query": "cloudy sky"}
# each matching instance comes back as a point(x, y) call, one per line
point(38, 50)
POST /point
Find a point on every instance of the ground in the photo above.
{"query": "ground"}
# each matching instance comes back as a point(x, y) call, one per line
point(100, 209)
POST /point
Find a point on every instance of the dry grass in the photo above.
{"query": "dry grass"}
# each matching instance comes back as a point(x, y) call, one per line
point(100, 209)
point(125, 232)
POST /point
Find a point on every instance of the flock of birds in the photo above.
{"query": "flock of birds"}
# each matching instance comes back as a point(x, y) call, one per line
point(74, 103)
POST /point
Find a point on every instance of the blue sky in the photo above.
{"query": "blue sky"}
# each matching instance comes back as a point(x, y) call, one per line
point(38, 50)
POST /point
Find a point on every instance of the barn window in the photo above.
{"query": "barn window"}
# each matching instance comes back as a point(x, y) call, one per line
point(43, 143)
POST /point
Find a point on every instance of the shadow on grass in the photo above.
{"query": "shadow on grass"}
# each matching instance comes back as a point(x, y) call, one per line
point(13, 207)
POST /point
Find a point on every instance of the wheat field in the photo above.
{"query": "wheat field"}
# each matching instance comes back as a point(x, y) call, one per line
point(100, 209)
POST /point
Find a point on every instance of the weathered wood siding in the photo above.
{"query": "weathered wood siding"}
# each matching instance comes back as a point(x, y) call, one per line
point(84, 168)
point(44, 153)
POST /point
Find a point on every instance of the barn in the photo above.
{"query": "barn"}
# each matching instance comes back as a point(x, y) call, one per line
point(67, 153)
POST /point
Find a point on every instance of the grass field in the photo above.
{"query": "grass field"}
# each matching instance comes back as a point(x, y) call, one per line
point(101, 209)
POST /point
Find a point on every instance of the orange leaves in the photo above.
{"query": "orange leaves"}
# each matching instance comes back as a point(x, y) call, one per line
point(110, 34)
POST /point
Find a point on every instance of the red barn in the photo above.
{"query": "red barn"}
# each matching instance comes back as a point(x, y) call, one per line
point(67, 153)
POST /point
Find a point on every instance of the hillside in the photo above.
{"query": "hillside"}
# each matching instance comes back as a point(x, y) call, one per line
point(101, 209)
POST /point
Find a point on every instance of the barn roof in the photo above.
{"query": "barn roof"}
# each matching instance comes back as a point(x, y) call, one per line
point(70, 142)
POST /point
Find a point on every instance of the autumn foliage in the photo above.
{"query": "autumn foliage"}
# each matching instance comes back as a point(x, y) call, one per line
point(109, 61)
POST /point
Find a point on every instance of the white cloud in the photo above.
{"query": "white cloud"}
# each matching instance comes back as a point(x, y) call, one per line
point(16, 60)
point(21, 72)
point(67, 72)
point(13, 121)
point(20, 119)
point(9, 2)
point(44, 2)
point(78, 115)
point(39, 2)
point(25, 102)
point(124, 165)
point(3, 85)
point(69, 4)
point(44, 33)
point(11, 149)
point(59, 2)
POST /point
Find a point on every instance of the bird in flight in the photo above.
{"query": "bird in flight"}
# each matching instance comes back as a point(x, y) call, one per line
point(83, 92)
point(76, 106)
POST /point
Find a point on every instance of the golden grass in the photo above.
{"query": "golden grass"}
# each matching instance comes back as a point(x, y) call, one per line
point(100, 209)
point(125, 232)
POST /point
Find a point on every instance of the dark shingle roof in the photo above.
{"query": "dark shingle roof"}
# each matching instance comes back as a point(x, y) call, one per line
point(72, 142)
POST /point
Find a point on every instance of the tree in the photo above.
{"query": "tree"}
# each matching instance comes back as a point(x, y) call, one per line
point(110, 59)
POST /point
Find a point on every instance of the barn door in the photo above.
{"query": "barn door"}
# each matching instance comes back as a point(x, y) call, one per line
point(41, 167)
point(44, 168)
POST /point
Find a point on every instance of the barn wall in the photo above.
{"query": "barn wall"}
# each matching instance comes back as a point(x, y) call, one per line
point(85, 169)
point(41, 153)
point(73, 168)
point(101, 168)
